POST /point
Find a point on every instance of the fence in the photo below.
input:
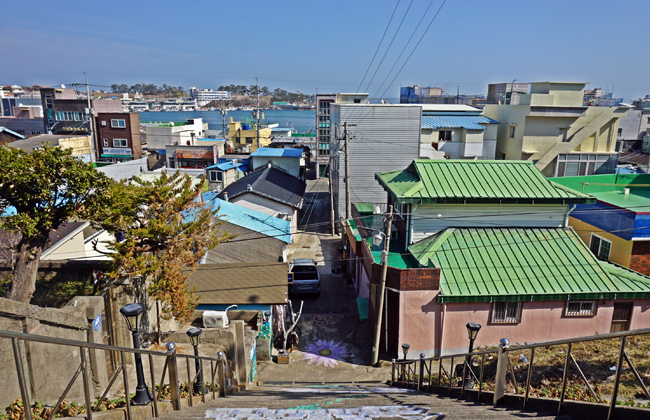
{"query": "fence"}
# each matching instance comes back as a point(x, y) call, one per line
point(420, 374)
point(219, 369)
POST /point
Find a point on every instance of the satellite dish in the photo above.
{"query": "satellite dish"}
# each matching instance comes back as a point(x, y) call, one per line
point(62, 86)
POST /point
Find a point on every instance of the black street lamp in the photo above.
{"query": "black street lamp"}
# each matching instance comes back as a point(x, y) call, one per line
point(405, 349)
point(133, 313)
point(195, 334)
point(472, 331)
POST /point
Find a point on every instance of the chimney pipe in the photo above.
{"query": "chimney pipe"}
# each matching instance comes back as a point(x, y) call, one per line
point(225, 196)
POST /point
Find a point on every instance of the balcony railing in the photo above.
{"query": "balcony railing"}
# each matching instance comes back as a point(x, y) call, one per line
point(420, 374)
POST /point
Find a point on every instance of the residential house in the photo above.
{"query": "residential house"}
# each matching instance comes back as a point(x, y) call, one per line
point(66, 113)
point(119, 135)
point(506, 93)
point(323, 129)
point(457, 132)
point(615, 227)
point(246, 137)
point(81, 145)
point(157, 135)
point(259, 237)
point(225, 172)
point(270, 191)
point(8, 136)
point(290, 160)
point(28, 127)
point(486, 242)
point(553, 129)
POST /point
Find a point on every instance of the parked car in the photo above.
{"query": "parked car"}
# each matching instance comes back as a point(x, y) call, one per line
point(305, 276)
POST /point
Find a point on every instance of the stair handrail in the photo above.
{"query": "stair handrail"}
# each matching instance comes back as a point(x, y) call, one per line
point(504, 367)
point(171, 357)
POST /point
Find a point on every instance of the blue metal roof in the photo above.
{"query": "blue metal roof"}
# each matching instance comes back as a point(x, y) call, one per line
point(469, 122)
point(271, 152)
point(224, 166)
point(250, 219)
point(13, 133)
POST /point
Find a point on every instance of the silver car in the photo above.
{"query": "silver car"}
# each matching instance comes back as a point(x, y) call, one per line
point(305, 276)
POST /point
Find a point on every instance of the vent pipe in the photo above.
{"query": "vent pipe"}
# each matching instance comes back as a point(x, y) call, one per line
point(225, 196)
point(626, 191)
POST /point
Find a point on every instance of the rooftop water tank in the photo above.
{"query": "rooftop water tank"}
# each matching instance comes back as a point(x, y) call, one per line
point(244, 126)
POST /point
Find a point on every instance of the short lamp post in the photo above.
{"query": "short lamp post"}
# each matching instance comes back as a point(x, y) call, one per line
point(195, 334)
point(472, 331)
point(133, 313)
point(405, 349)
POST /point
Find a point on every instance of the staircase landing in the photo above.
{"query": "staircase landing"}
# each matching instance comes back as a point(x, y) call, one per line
point(338, 402)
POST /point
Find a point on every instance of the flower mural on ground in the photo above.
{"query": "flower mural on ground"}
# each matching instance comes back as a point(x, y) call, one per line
point(326, 353)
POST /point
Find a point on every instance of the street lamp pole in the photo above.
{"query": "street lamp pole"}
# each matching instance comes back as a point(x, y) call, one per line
point(133, 313)
point(472, 331)
point(382, 288)
point(195, 334)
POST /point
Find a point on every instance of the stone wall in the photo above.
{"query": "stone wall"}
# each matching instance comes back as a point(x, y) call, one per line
point(48, 368)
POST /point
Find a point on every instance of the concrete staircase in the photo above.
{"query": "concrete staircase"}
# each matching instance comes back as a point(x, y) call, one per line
point(356, 401)
point(576, 136)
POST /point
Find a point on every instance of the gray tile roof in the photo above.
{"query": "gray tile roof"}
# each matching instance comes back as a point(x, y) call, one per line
point(271, 183)
point(242, 284)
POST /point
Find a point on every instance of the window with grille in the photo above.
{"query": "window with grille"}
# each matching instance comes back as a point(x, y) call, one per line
point(580, 308)
point(506, 312)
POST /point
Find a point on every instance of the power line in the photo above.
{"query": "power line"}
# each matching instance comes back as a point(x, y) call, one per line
point(378, 46)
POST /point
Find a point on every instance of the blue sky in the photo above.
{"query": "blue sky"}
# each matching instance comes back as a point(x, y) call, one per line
point(327, 45)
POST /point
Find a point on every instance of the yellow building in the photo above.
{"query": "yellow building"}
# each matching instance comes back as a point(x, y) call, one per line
point(551, 127)
point(80, 145)
point(244, 137)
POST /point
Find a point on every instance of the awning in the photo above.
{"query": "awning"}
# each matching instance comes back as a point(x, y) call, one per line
point(118, 156)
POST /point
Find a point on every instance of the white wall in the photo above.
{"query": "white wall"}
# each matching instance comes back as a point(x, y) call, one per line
point(429, 219)
point(291, 165)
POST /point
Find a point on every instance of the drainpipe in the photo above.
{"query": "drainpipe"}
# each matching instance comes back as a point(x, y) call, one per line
point(566, 217)
point(442, 327)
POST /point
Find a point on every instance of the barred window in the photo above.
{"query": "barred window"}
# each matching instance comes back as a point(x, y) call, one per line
point(506, 312)
point(580, 307)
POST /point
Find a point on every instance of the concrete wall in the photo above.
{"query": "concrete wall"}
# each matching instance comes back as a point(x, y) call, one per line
point(290, 165)
point(49, 368)
point(431, 328)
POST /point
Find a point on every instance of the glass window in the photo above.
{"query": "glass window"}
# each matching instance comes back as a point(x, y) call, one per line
point(572, 169)
point(119, 143)
point(573, 157)
point(600, 247)
point(444, 135)
point(105, 142)
point(580, 308)
point(512, 131)
point(506, 312)
point(118, 123)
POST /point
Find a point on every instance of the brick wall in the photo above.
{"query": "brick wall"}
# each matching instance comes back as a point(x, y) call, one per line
point(640, 260)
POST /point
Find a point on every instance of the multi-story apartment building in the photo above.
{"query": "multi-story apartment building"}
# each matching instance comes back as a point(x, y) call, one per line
point(119, 136)
point(323, 104)
point(551, 127)
point(205, 96)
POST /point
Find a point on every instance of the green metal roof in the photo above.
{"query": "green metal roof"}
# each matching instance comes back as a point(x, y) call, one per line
point(609, 189)
point(523, 264)
point(468, 181)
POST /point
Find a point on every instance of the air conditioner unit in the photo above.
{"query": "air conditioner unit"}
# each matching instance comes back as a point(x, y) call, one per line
point(216, 319)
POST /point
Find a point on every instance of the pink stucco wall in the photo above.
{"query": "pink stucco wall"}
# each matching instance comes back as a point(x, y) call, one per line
point(425, 324)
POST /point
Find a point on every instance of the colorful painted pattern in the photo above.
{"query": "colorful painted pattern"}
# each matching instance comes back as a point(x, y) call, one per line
point(326, 353)
point(373, 412)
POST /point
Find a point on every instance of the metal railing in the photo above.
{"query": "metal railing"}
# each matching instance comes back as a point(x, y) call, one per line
point(219, 369)
point(418, 374)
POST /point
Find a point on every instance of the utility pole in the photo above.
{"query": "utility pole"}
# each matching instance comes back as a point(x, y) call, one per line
point(382, 288)
point(91, 122)
point(257, 113)
point(348, 210)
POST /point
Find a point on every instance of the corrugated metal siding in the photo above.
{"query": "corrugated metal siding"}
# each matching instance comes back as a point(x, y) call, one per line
point(426, 221)
point(385, 138)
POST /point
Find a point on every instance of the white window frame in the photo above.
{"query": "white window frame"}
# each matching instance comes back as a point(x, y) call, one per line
point(103, 123)
point(105, 142)
point(120, 143)
point(580, 308)
point(500, 316)
point(600, 247)
point(116, 123)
